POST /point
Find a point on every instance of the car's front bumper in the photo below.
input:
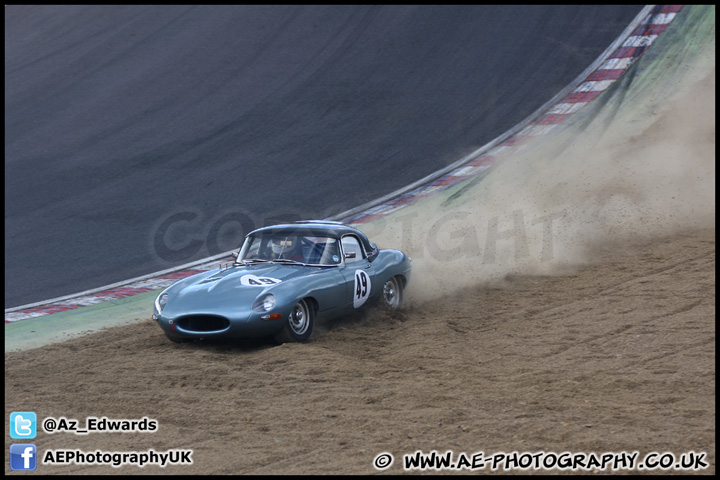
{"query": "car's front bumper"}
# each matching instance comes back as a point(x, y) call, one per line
point(246, 325)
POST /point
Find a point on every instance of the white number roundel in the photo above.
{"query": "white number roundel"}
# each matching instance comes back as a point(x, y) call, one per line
point(255, 281)
point(362, 288)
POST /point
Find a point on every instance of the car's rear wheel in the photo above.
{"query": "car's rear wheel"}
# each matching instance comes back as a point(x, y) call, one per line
point(391, 297)
point(298, 325)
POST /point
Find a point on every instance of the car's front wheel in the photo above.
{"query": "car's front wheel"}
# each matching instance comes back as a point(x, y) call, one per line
point(299, 324)
point(391, 297)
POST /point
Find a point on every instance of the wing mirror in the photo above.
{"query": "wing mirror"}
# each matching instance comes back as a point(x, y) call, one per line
point(374, 253)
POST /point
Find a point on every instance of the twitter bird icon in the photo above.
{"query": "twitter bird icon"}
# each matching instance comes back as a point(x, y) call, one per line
point(23, 425)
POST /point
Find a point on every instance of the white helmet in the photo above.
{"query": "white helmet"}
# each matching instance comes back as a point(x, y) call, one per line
point(281, 245)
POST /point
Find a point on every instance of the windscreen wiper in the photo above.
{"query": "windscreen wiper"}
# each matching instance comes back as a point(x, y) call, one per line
point(248, 261)
point(288, 260)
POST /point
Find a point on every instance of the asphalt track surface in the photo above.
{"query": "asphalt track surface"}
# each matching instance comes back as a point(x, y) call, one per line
point(120, 120)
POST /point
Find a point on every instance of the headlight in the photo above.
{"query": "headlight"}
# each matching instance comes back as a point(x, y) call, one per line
point(264, 303)
point(161, 301)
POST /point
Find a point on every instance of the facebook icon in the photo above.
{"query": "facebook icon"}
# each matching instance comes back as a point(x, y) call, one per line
point(23, 456)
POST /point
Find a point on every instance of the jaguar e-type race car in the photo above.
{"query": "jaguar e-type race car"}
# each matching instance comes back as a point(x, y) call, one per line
point(284, 279)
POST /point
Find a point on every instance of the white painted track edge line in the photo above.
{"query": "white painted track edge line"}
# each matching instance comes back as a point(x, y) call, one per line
point(121, 283)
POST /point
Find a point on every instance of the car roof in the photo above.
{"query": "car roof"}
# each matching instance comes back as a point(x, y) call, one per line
point(319, 228)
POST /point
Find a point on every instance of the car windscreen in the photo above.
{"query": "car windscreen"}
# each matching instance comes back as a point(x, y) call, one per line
point(311, 250)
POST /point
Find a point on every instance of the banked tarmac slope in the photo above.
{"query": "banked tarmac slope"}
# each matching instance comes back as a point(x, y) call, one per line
point(608, 349)
point(118, 117)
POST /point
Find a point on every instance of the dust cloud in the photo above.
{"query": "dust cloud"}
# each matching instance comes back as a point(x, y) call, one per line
point(571, 199)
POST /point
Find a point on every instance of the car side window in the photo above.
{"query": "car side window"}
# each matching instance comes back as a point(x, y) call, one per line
point(350, 246)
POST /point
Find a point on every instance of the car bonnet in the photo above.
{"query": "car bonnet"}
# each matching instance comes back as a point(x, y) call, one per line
point(237, 286)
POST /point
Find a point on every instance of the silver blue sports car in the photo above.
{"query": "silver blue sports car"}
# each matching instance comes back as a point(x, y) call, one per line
point(284, 279)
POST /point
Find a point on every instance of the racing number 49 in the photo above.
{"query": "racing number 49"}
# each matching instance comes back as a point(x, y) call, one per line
point(360, 285)
point(362, 288)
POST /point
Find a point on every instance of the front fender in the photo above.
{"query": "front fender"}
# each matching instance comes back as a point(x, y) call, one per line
point(327, 287)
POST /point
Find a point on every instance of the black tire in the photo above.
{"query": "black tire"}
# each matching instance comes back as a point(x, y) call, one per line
point(298, 325)
point(176, 339)
point(391, 296)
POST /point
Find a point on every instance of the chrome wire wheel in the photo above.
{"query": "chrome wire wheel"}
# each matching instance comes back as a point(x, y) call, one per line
point(392, 294)
point(299, 320)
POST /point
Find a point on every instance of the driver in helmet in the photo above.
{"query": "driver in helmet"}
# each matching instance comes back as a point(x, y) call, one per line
point(286, 247)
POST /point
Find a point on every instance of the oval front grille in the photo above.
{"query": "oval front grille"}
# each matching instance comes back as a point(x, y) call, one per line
point(203, 323)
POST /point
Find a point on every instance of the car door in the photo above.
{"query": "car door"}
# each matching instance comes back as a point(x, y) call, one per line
point(358, 272)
